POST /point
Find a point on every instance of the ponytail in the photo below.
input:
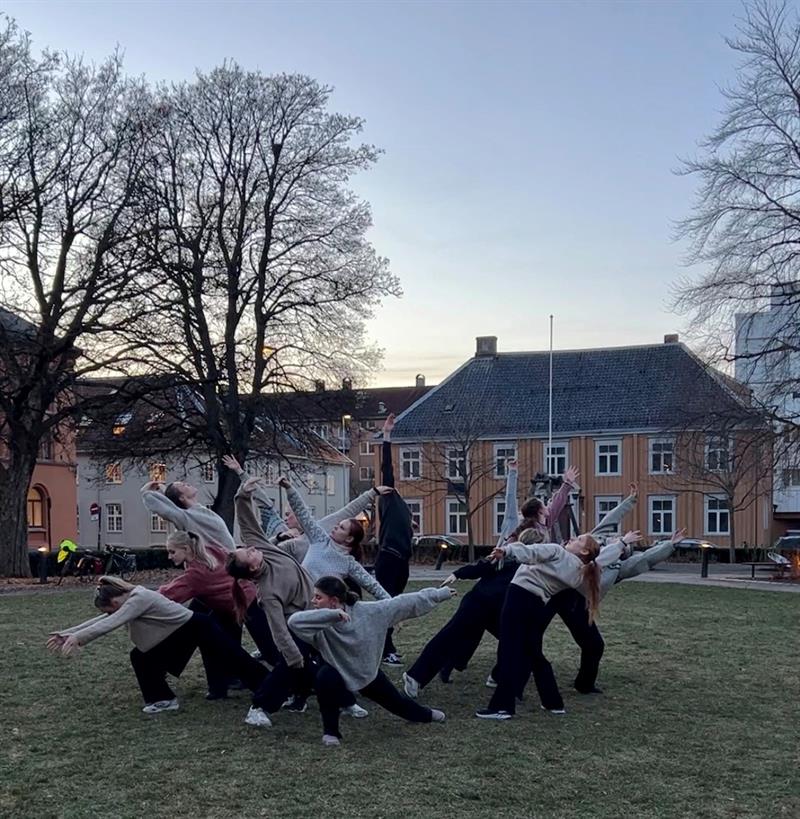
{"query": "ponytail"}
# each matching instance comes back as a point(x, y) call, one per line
point(239, 601)
point(335, 587)
point(590, 574)
point(195, 546)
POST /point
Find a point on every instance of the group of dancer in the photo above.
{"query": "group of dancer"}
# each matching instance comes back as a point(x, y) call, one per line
point(295, 583)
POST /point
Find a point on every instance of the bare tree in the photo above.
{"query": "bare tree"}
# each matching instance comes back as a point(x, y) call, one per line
point(260, 265)
point(730, 458)
point(745, 226)
point(71, 140)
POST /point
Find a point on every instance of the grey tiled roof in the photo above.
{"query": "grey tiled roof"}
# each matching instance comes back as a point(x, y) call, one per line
point(612, 389)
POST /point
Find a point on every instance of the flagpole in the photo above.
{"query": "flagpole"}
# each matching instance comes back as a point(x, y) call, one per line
point(550, 412)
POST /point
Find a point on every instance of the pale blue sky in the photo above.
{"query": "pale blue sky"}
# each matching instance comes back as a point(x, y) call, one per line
point(529, 147)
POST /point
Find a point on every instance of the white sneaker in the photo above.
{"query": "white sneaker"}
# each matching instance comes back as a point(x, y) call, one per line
point(411, 686)
point(558, 711)
point(256, 655)
point(356, 711)
point(392, 659)
point(491, 682)
point(161, 705)
point(258, 718)
point(437, 715)
point(330, 741)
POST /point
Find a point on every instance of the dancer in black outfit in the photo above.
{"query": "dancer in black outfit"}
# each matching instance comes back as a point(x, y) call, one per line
point(394, 537)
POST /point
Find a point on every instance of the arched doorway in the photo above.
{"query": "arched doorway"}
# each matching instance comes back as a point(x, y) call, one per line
point(37, 516)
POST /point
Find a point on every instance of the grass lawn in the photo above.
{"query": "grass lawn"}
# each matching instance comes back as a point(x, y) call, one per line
point(699, 718)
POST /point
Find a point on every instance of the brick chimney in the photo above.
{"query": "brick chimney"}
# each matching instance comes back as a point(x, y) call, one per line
point(319, 386)
point(420, 380)
point(671, 338)
point(485, 346)
point(347, 383)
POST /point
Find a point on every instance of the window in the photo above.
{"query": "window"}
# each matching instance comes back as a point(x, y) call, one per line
point(366, 448)
point(791, 477)
point(208, 472)
point(410, 464)
point(661, 514)
point(555, 459)
point(455, 464)
point(503, 453)
point(35, 508)
point(113, 517)
point(456, 517)
point(661, 456)
point(158, 472)
point(157, 524)
point(716, 453)
point(113, 473)
point(608, 457)
point(121, 422)
point(272, 474)
point(323, 430)
point(603, 504)
point(415, 507)
point(718, 516)
point(314, 485)
point(499, 514)
point(330, 484)
point(366, 473)
point(46, 448)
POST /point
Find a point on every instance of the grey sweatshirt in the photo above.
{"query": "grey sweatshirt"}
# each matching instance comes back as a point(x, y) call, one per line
point(355, 648)
point(149, 616)
point(549, 568)
point(325, 557)
point(198, 519)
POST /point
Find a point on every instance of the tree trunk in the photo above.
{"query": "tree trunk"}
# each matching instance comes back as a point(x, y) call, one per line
point(227, 484)
point(470, 539)
point(732, 544)
point(14, 483)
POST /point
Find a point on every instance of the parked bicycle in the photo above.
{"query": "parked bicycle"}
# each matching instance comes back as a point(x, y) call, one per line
point(87, 564)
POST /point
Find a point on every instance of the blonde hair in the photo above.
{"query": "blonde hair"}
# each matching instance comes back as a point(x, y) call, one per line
point(591, 577)
point(531, 536)
point(196, 548)
point(115, 582)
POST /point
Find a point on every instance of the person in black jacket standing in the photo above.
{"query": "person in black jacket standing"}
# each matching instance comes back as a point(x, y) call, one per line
point(394, 537)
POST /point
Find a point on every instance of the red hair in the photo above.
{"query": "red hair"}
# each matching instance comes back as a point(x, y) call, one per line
point(591, 577)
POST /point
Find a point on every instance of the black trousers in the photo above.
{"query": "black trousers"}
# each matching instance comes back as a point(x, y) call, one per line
point(332, 695)
point(221, 657)
point(391, 571)
point(285, 680)
point(456, 642)
point(523, 622)
point(570, 606)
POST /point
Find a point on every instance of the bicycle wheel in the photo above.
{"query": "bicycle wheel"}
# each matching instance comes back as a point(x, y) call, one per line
point(127, 567)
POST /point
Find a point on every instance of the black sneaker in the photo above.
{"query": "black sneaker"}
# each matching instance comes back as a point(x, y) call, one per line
point(492, 713)
point(593, 690)
point(296, 704)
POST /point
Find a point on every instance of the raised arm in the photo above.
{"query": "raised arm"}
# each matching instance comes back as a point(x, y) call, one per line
point(249, 525)
point(529, 553)
point(351, 510)
point(271, 522)
point(615, 515)
point(511, 515)
point(612, 552)
point(387, 468)
point(559, 500)
point(364, 579)
point(311, 528)
point(157, 503)
point(414, 604)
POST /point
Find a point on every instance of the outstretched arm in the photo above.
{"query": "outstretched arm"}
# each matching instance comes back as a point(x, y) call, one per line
point(415, 604)
point(615, 515)
point(528, 553)
point(249, 525)
point(559, 500)
point(511, 515)
point(364, 579)
point(157, 503)
point(387, 469)
point(351, 510)
point(271, 522)
point(311, 528)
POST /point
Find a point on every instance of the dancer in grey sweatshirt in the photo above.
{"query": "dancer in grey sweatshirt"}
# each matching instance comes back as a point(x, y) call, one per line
point(349, 635)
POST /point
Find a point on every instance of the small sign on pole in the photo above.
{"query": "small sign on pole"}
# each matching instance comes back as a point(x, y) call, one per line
point(94, 511)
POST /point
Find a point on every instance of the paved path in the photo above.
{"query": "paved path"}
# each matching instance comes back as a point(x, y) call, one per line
point(687, 574)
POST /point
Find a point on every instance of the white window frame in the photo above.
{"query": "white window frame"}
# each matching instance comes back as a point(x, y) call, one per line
point(408, 457)
point(208, 472)
point(598, 456)
point(499, 513)
point(602, 500)
point(449, 504)
point(322, 430)
point(114, 473)
point(117, 517)
point(366, 473)
point(158, 525)
point(314, 485)
point(502, 460)
point(454, 454)
point(366, 448)
point(330, 483)
point(663, 530)
point(717, 443)
point(548, 456)
point(718, 514)
point(651, 454)
point(416, 515)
